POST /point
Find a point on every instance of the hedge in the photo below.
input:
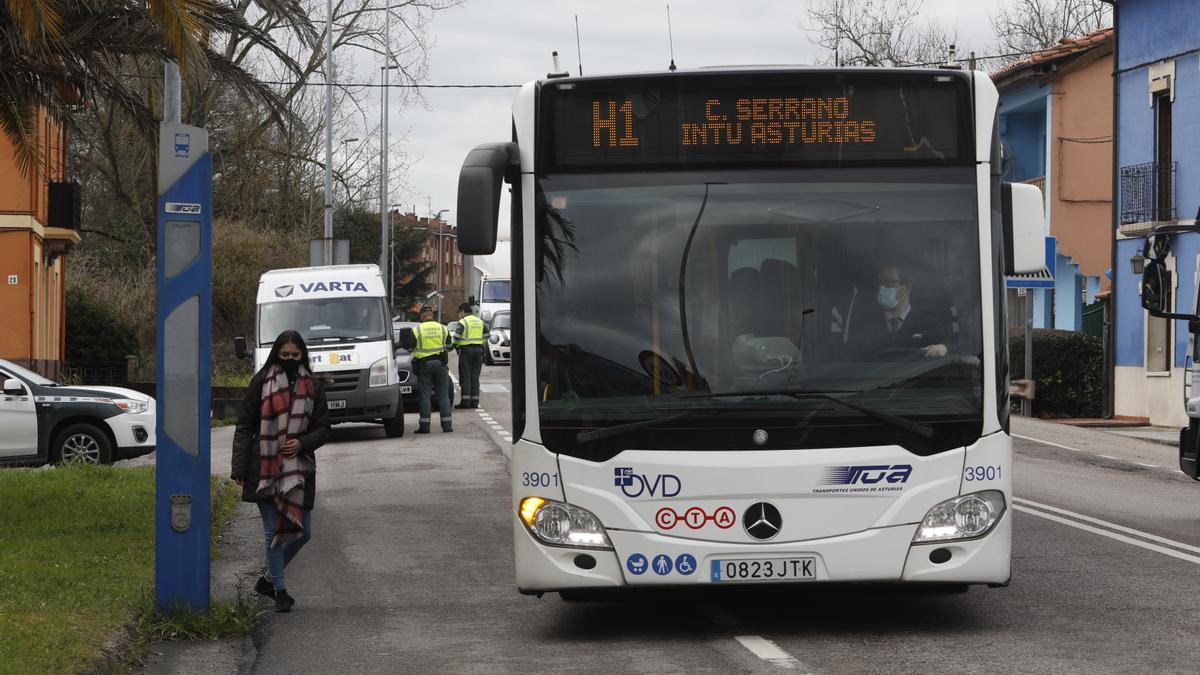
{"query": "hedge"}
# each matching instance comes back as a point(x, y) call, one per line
point(95, 332)
point(1068, 368)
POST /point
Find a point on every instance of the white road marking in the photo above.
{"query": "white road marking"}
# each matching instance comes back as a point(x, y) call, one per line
point(768, 651)
point(497, 428)
point(1112, 526)
point(492, 388)
point(1038, 440)
point(1111, 535)
point(1067, 447)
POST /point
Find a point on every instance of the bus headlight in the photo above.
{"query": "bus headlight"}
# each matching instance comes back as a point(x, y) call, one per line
point(378, 373)
point(966, 517)
point(561, 524)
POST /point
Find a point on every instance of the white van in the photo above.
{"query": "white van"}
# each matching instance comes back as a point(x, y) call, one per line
point(341, 310)
point(495, 294)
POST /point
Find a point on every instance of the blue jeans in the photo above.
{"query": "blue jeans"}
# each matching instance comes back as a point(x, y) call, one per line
point(279, 556)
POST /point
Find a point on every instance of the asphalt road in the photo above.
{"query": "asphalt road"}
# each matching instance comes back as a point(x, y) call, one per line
point(410, 570)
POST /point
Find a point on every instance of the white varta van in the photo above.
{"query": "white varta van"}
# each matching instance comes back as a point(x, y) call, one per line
point(341, 310)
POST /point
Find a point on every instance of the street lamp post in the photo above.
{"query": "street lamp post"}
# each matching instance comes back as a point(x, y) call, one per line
point(328, 132)
point(437, 217)
point(385, 230)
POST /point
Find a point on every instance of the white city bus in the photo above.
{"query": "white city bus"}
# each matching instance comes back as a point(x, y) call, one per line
point(707, 388)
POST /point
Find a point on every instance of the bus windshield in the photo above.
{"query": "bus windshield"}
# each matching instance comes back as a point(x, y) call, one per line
point(665, 293)
point(324, 320)
point(497, 291)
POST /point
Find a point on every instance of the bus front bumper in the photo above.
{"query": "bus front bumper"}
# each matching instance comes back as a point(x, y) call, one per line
point(883, 555)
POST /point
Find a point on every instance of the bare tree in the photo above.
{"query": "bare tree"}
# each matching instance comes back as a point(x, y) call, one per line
point(1024, 26)
point(878, 33)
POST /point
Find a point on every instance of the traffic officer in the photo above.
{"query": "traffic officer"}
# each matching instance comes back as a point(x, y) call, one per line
point(429, 360)
point(468, 340)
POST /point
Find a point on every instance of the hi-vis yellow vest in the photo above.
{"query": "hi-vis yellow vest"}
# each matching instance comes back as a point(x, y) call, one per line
point(431, 339)
point(472, 330)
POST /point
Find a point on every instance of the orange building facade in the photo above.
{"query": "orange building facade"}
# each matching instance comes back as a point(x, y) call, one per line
point(39, 223)
point(440, 241)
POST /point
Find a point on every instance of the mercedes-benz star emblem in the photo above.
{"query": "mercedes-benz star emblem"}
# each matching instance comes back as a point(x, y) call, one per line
point(762, 521)
point(760, 437)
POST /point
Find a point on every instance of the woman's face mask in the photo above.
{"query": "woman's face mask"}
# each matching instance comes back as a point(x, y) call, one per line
point(290, 366)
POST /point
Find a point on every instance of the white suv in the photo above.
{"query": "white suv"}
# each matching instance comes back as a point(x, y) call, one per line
point(42, 421)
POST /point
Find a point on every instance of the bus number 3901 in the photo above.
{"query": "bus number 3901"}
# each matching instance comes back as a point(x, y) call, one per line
point(536, 479)
point(992, 472)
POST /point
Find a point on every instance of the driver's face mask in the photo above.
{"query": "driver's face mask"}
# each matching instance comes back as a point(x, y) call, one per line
point(887, 297)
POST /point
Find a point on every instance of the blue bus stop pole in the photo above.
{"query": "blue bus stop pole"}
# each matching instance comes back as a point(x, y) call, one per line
point(184, 322)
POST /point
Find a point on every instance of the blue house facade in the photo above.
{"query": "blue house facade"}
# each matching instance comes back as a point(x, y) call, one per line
point(1024, 120)
point(1157, 106)
point(1056, 126)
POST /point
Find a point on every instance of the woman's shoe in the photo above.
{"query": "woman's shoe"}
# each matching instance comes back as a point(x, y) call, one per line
point(283, 601)
point(264, 587)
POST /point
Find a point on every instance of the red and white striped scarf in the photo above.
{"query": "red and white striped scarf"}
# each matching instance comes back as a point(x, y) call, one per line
point(284, 416)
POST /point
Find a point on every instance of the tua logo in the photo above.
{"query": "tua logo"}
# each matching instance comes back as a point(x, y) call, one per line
point(868, 474)
point(635, 485)
point(335, 286)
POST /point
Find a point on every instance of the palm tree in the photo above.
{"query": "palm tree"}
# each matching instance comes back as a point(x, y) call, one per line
point(60, 54)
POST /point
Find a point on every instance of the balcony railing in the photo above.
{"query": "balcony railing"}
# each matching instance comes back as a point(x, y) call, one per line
point(1148, 192)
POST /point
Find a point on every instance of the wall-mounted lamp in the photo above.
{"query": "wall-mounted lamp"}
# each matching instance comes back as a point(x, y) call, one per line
point(1137, 263)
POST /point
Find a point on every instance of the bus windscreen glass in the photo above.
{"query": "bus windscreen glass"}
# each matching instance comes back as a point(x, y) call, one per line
point(804, 118)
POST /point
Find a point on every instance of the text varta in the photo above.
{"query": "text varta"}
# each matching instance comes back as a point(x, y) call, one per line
point(334, 286)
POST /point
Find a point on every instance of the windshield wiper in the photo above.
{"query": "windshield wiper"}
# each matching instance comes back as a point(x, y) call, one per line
point(618, 429)
point(918, 428)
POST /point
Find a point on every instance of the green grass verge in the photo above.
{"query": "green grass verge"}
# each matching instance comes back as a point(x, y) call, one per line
point(77, 560)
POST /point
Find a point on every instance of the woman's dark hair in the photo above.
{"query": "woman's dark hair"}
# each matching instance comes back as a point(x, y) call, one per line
point(284, 338)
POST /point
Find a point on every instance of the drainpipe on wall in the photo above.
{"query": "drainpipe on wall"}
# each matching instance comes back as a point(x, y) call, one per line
point(1110, 327)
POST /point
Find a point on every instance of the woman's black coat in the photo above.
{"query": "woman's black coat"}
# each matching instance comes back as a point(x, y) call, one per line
point(245, 439)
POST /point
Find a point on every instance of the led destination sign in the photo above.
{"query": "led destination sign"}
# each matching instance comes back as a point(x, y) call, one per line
point(780, 119)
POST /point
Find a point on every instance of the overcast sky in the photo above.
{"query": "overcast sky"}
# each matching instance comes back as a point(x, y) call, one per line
point(510, 41)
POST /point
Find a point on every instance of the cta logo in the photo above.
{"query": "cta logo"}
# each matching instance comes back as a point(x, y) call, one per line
point(334, 286)
point(634, 485)
point(695, 517)
point(868, 474)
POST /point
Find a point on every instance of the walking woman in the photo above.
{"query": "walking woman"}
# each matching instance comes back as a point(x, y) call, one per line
point(283, 420)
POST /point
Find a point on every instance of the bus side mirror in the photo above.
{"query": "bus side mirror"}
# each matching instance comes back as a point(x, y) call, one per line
point(1024, 218)
point(239, 348)
point(479, 194)
point(1153, 282)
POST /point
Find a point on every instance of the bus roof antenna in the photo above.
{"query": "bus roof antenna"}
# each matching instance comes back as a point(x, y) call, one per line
point(578, 50)
point(670, 39)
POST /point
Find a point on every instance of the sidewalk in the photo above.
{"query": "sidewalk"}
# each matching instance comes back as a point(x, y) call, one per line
point(1145, 446)
point(240, 562)
point(1130, 427)
point(1165, 435)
